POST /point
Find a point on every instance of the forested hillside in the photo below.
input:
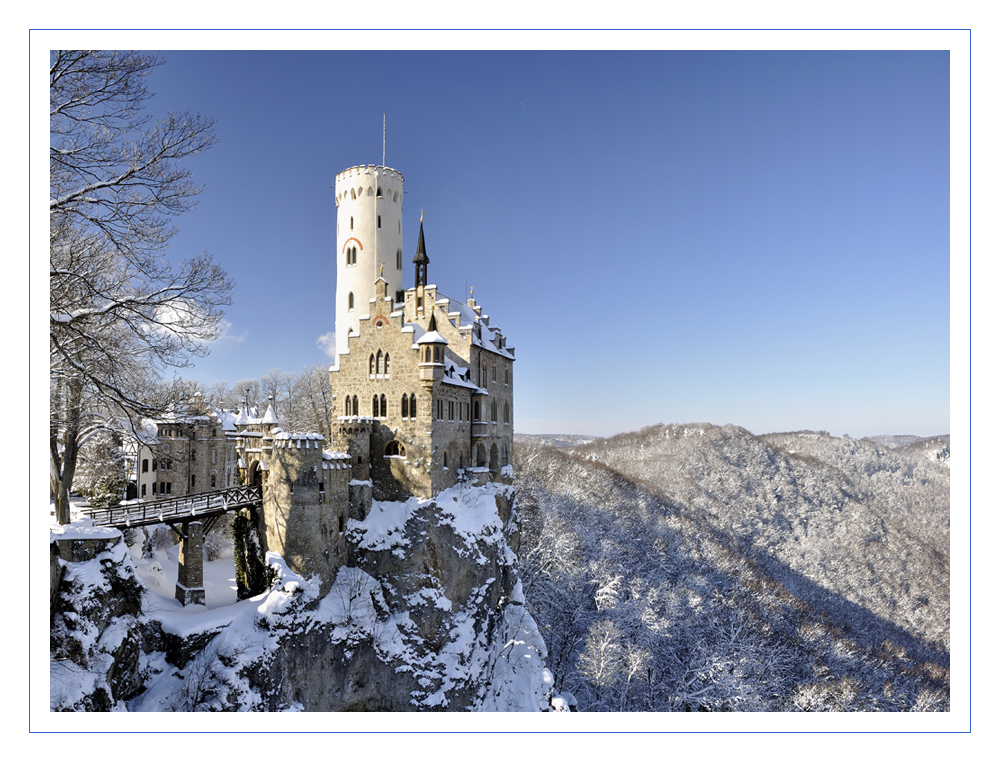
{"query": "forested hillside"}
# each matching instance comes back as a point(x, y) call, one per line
point(701, 567)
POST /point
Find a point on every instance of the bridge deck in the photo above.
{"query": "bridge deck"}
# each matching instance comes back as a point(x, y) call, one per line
point(176, 509)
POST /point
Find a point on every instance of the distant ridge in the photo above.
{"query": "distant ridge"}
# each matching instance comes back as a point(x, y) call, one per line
point(554, 440)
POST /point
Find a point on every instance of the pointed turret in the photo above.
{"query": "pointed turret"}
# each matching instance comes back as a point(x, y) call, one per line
point(421, 260)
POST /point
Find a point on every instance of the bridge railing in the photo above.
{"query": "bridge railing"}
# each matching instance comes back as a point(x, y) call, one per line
point(176, 508)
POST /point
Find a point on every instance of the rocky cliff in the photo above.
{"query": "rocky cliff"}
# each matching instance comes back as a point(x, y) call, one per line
point(427, 615)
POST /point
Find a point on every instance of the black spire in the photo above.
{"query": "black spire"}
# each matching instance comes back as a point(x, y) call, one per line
point(433, 326)
point(420, 260)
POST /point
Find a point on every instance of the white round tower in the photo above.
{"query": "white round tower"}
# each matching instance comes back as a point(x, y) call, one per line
point(369, 202)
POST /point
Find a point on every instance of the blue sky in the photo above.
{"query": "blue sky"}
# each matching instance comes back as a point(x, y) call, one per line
point(757, 238)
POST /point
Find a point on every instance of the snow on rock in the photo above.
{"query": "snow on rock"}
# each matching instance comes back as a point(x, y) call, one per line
point(427, 614)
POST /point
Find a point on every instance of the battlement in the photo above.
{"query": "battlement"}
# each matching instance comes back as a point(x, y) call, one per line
point(369, 180)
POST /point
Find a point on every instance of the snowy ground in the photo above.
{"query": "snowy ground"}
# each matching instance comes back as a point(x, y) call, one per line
point(159, 576)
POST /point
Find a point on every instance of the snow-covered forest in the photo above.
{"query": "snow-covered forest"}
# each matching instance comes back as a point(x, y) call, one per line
point(704, 568)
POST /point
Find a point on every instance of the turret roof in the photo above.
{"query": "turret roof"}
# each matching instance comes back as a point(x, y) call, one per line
point(421, 257)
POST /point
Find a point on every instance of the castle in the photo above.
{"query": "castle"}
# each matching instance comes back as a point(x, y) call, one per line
point(422, 393)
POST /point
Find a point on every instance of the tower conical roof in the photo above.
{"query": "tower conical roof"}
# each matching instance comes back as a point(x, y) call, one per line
point(421, 257)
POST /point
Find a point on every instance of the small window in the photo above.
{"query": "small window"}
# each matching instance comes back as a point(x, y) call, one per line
point(347, 406)
point(145, 467)
point(144, 490)
point(375, 406)
point(395, 450)
point(213, 481)
point(192, 481)
point(378, 222)
point(405, 407)
point(399, 259)
point(355, 404)
point(386, 370)
point(352, 219)
point(382, 406)
point(371, 365)
point(169, 485)
point(444, 459)
point(413, 406)
point(154, 465)
point(350, 302)
point(192, 454)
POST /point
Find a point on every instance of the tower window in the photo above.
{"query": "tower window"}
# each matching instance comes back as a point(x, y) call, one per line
point(399, 259)
point(413, 406)
point(350, 302)
point(213, 481)
point(371, 365)
point(378, 222)
point(192, 481)
point(347, 406)
point(145, 466)
point(375, 406)
point(355, 404)
point(382, 406)
point(386, 370)
point(378, 193)
point(405, 407)
point(444, 459)
point(352, 219)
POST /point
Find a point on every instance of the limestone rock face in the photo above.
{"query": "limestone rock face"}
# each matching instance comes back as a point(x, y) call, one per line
point(94, 639)
point(425, 616)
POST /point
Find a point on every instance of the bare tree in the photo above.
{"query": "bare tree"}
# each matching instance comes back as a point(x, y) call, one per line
point(119, 312)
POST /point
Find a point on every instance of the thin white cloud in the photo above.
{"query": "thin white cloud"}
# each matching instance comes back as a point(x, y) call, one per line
point(328, 343)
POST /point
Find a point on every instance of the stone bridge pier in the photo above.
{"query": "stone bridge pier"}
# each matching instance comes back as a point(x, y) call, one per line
point(190, 564)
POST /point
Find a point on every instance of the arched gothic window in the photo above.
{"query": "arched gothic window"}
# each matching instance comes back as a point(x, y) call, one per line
point(482, 374)
point(437, 354)
point(413, 406)
point(378, 362)
point(371, 365)
point(493, 411)
point(347, 406)
point(350, 301)
point(395, 450)
point(405, 407)
point(375, 406)
point(382, 406)
point(355, 404)
point(386, 368)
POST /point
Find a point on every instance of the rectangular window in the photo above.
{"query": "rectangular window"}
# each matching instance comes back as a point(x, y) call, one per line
point(192, 481)
point(169, 485)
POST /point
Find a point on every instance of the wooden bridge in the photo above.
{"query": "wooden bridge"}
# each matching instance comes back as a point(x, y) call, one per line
point(191, 516)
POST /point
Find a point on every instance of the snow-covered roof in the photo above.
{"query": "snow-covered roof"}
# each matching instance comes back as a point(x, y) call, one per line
point(488, 339)
point(269, 416)
point(457, 375)
point(432, 337)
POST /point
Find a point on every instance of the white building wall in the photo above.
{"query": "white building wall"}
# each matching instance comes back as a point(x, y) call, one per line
point(358, 211)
